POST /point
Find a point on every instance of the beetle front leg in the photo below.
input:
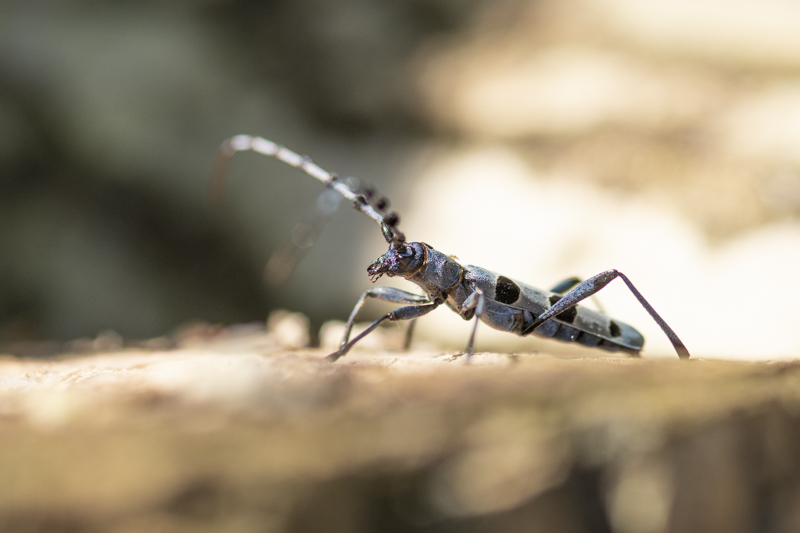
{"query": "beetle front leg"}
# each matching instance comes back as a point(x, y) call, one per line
point(475, 301)
point(592, 285)
point(404, 313)
point(387, 294)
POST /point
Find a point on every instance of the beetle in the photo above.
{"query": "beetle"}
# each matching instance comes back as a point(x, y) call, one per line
point(473, 292)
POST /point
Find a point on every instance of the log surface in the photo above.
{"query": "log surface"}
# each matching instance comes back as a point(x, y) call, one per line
point(238, 434)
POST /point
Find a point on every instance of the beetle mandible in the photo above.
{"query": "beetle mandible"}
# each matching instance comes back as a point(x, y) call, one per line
point(472, 292)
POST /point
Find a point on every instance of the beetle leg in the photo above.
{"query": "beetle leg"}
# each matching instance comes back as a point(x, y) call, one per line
point(409, 312)
point(565, 285)
point(569, 283)
point(592, 285)
point(409, 334)
point(387, 294)
point(474, 301)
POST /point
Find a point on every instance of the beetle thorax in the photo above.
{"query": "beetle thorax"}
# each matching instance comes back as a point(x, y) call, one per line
point(438, 274)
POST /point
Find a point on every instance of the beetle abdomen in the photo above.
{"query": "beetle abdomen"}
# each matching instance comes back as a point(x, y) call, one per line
point(631, 343)
point(513, 306)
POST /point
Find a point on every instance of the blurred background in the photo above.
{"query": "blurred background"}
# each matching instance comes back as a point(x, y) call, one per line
point(538, 138)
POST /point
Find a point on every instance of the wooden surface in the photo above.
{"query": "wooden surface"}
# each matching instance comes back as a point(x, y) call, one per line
point(233, 432)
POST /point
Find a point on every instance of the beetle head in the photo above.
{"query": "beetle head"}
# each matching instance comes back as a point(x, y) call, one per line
point(398, 261)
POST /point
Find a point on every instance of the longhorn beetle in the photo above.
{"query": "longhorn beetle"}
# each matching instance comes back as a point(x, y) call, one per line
point(472, 292)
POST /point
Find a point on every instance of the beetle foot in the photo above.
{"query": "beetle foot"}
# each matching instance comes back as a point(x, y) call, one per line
point(335, 355)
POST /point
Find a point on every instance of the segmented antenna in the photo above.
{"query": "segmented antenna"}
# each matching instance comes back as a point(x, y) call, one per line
point(360, 198)
point(283, 261)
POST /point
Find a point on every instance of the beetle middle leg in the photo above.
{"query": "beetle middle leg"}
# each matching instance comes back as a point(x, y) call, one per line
point(409, 312)
point(591, 286)
point(409, 334)
point(474, 301)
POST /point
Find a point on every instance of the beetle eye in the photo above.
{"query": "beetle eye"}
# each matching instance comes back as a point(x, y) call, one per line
point(405, 255)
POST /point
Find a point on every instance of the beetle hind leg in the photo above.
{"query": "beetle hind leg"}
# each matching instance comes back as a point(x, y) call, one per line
point(566, 285)
point(594, 284)
point(569, 283)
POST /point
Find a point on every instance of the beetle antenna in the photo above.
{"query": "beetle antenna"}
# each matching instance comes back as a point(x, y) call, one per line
point(360, 198)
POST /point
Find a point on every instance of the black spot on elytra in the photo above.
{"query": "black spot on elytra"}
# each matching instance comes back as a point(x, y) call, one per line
point(613, 328)
point(506, 291)
point(567, 316)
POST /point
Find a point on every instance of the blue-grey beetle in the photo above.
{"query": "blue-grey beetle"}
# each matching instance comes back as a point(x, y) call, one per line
point(472, 292)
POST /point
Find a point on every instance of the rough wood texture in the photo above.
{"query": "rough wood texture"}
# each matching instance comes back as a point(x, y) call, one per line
point(234, 433)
